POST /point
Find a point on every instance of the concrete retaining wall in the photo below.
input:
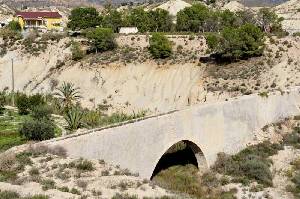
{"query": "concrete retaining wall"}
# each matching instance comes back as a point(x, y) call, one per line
point(217, 127)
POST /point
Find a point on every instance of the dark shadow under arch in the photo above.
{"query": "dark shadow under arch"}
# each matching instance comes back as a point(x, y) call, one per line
point(181, 153)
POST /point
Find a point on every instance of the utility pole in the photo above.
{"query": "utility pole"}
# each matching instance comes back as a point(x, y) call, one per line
point(13, 82)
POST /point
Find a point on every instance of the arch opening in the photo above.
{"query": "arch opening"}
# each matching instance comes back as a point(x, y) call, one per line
point(181, 153)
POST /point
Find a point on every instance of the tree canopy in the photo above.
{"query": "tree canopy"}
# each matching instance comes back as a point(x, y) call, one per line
point(237, 43)
point(82, 18)
point(102, 39)
point(269, 20)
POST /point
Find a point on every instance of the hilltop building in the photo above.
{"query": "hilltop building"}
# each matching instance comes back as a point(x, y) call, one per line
point(128, 30)
point(40, 20)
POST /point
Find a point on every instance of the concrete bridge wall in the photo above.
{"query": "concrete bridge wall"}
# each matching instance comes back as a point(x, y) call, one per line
point(217, 127)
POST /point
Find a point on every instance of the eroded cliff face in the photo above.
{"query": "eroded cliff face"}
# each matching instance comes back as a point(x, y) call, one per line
point(132, 81)
point(132, 86)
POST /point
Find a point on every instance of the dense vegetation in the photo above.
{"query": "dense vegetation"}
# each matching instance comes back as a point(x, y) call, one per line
point(160, 46)
point(231, 36)
point(236, 43)
point(146, 21)
point(34, 119)
point(102, 39)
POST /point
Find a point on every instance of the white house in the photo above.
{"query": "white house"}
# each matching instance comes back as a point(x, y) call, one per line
point(128, 30)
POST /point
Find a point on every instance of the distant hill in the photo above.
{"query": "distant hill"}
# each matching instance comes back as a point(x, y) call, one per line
point(258, 3)
point(72, 3)
point(44, 3)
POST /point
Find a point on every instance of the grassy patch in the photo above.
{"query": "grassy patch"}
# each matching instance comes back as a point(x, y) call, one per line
point(11, 165)
point(186, 180)
point(15, 195)
point(47, 184)
point(293, 139)
point(294, 177)
point(82, 165)
point(10, 122)
point(250, 164)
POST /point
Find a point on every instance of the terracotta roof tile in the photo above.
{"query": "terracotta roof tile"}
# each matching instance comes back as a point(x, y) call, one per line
point(35, 15)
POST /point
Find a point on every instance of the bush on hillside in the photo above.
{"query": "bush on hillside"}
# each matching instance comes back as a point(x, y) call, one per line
point(269, 21)
point(8, 34)
point(296, 34)
point(52, 36)
point(37, 130)
point(160, 46)
point(103, 39)
point(250, 164)
point(237, 43)
point(76, 51)
point(293, 138)
point(14, 26)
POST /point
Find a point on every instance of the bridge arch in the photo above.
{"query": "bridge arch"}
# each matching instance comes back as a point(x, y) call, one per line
point(181, 153)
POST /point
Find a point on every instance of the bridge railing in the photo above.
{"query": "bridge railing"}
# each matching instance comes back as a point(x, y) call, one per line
point(109, 126)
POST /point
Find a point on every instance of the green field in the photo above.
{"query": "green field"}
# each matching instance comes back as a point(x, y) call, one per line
point(10, 122)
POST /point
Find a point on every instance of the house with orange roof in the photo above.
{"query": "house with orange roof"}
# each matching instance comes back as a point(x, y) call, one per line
point(40, 20)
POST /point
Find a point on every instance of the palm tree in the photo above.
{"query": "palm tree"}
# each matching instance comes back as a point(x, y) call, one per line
point(67, 94)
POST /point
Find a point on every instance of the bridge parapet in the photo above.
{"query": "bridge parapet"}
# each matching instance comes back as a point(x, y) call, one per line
point(213, 127)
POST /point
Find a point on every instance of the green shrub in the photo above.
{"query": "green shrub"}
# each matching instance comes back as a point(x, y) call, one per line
point(11, 165)
point(293, 138)
point(160, 46)
point(103, 39)
point(36, 100)
point(74, 119)
point(75, 191)
point(37, 130)
point(8, 34)
point(64, 189)
point(82, 165)
point(186, 180)
point(15, 26)
point(42, 112)
point(37, 197)
point(14, 195)
point(250, 164)
point(34, 172)
point(85, 165)
point(26, 103)
point(9, 195)
point(47, 184)
point(51, 36)
point(124, 196)
point(22, 103)
point(120, 117)
point(2, 102)
point(296, 34)
point(76, 51)
point(92, 118)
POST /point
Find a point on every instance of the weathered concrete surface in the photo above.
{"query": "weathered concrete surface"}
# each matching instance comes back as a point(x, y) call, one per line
point(218, 127)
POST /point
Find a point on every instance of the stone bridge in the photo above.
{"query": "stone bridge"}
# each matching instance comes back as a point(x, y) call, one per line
point(208, 129)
